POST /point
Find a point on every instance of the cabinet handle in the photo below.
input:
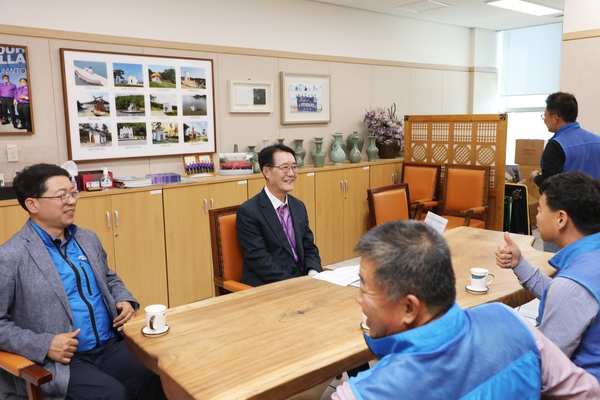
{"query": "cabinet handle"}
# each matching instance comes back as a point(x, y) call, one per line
point(394, 179)
point(212, 204)
point(205, 206)
point(116, 218)
point(108, 219)
point(342, 186)
point(346, 185)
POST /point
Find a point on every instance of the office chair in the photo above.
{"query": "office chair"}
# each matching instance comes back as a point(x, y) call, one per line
point(228, 262)
point(390, 203)
point(423, 180)
point(33, 374)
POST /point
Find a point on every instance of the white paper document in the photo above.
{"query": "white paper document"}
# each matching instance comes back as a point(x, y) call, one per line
point(436, 222)
point(343, 276)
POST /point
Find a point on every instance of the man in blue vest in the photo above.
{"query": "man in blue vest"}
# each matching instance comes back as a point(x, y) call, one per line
point(570, 149)
point(569, 216)
point(432, 349)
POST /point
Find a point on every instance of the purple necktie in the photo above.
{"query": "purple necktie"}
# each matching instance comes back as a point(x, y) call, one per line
point(286, 222)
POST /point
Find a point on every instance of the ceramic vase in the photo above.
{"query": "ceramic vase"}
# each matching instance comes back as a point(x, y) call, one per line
point(337, 154)
point(300, 152)
point(401, 150)
point(255, 164)
point(354, 155)
point(342, 144)
point(281, 141)
point(388, 148)
point(318, 153)
point(359, 143)
point(372, 150)
point(265, 143)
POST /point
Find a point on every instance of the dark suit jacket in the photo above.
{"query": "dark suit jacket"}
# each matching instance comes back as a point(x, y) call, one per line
point(267, 253)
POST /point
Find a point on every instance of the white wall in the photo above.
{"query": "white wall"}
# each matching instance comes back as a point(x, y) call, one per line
point(581, 15)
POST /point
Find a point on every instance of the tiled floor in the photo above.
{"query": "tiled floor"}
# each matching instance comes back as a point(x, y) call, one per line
point(324, 390)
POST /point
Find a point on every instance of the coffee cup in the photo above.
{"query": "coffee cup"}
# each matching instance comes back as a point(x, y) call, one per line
point(363, 324)
point(155, 318)
point(479, 278)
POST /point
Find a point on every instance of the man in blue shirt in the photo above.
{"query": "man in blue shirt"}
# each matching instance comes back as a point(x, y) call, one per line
point(60, 304)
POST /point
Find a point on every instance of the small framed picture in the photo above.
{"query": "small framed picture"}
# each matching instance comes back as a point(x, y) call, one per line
point(250, 96)
point(198, 165)
point(305, 99)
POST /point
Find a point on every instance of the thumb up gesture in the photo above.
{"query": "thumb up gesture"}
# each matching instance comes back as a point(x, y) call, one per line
point(508, 254)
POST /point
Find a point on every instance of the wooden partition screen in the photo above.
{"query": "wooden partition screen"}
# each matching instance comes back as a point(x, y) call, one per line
point(478, 139)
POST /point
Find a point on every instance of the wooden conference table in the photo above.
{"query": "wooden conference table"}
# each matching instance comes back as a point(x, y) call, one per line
point(280, 339)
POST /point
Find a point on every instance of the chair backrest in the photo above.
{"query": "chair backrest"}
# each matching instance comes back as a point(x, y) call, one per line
point(388, 203)
point(465, 186)
point(423, 180)
point(228, 262)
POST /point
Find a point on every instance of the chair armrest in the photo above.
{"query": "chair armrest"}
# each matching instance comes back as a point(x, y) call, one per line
point(234, 286)
point(13, 363)
point(416, 209)
point(32, 373)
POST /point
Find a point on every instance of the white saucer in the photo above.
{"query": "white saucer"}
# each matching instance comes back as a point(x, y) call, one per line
point(147, 332)
point(470, 289)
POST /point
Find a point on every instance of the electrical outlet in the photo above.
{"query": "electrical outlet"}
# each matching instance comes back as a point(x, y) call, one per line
point(13, 153)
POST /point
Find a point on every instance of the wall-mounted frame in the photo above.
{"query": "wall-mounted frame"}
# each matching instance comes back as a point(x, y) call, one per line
point(16, 110)
point(305, 99)
point(129, 105)
point(250, 96)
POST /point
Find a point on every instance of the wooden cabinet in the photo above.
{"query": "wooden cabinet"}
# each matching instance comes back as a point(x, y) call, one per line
point(341, 217)
point(187, 232)
point(13, 218)
point(130, 226)
point(385, 174)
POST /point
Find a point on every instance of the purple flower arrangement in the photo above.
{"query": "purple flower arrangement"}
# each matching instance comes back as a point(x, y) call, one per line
point(383, 123)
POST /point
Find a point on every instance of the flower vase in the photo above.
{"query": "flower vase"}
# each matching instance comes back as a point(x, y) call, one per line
point(281, 141)
point(337, 154)
point(401, 150)
point(359, 144)
point(372, 150)
point(265, 143)
point(318, 153)
point(388, 148)
point(300, 152)
point(354, 155)
point(255, 165)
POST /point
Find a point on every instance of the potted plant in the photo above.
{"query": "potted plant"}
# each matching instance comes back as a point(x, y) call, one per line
point(387, 128)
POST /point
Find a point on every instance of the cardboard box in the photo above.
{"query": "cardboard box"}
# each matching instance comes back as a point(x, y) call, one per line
point(529, 151)
point(532, 188)
point(90, 180)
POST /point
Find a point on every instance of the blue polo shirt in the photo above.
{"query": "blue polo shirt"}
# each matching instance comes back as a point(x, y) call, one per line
point(85, 299)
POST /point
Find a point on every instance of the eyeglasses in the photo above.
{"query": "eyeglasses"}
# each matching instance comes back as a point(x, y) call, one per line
point(543, 116)
point(286, 168)
point(65, 197)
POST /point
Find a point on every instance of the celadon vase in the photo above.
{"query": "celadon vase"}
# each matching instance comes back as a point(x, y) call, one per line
point(300, 152)
point(337, 154)
point(354, 155)
point(372, 150)
point(281, 141)
point(342, 144)
point(360, 141)
point(318, 153)
point(255, 164)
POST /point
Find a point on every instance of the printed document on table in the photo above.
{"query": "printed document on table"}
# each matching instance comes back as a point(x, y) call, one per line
point(344, 276)
point(436, 222)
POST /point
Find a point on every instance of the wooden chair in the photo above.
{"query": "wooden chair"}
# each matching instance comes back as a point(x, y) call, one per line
point(423, 180)
point(228, 262)
point(390, 203)
point(465, 195)
point(33, 374)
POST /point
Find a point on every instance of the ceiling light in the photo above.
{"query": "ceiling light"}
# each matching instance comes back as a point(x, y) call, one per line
point(523, 6)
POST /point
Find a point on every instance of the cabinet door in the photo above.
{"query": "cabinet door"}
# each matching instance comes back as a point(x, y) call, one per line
point(227, 194)
point(304, 189)
point(255, 186)
point(139, 240)
point(95, 214)
point(329, 224)
point(385, 174)
point(356, 208)
point(13, 218)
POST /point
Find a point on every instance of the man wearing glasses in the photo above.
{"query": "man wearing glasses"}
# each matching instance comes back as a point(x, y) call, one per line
point(272, 227)
point(60, 304)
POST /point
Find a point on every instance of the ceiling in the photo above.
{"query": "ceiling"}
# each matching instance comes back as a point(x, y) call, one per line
point(467, 13)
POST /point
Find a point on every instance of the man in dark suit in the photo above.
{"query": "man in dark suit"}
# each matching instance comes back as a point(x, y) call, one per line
point(60, 304)
point(272, 227)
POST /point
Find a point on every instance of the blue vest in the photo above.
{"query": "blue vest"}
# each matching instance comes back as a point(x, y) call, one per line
point(87, 305)
point(582, 149)
point(579, 262)
point(482, 353)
